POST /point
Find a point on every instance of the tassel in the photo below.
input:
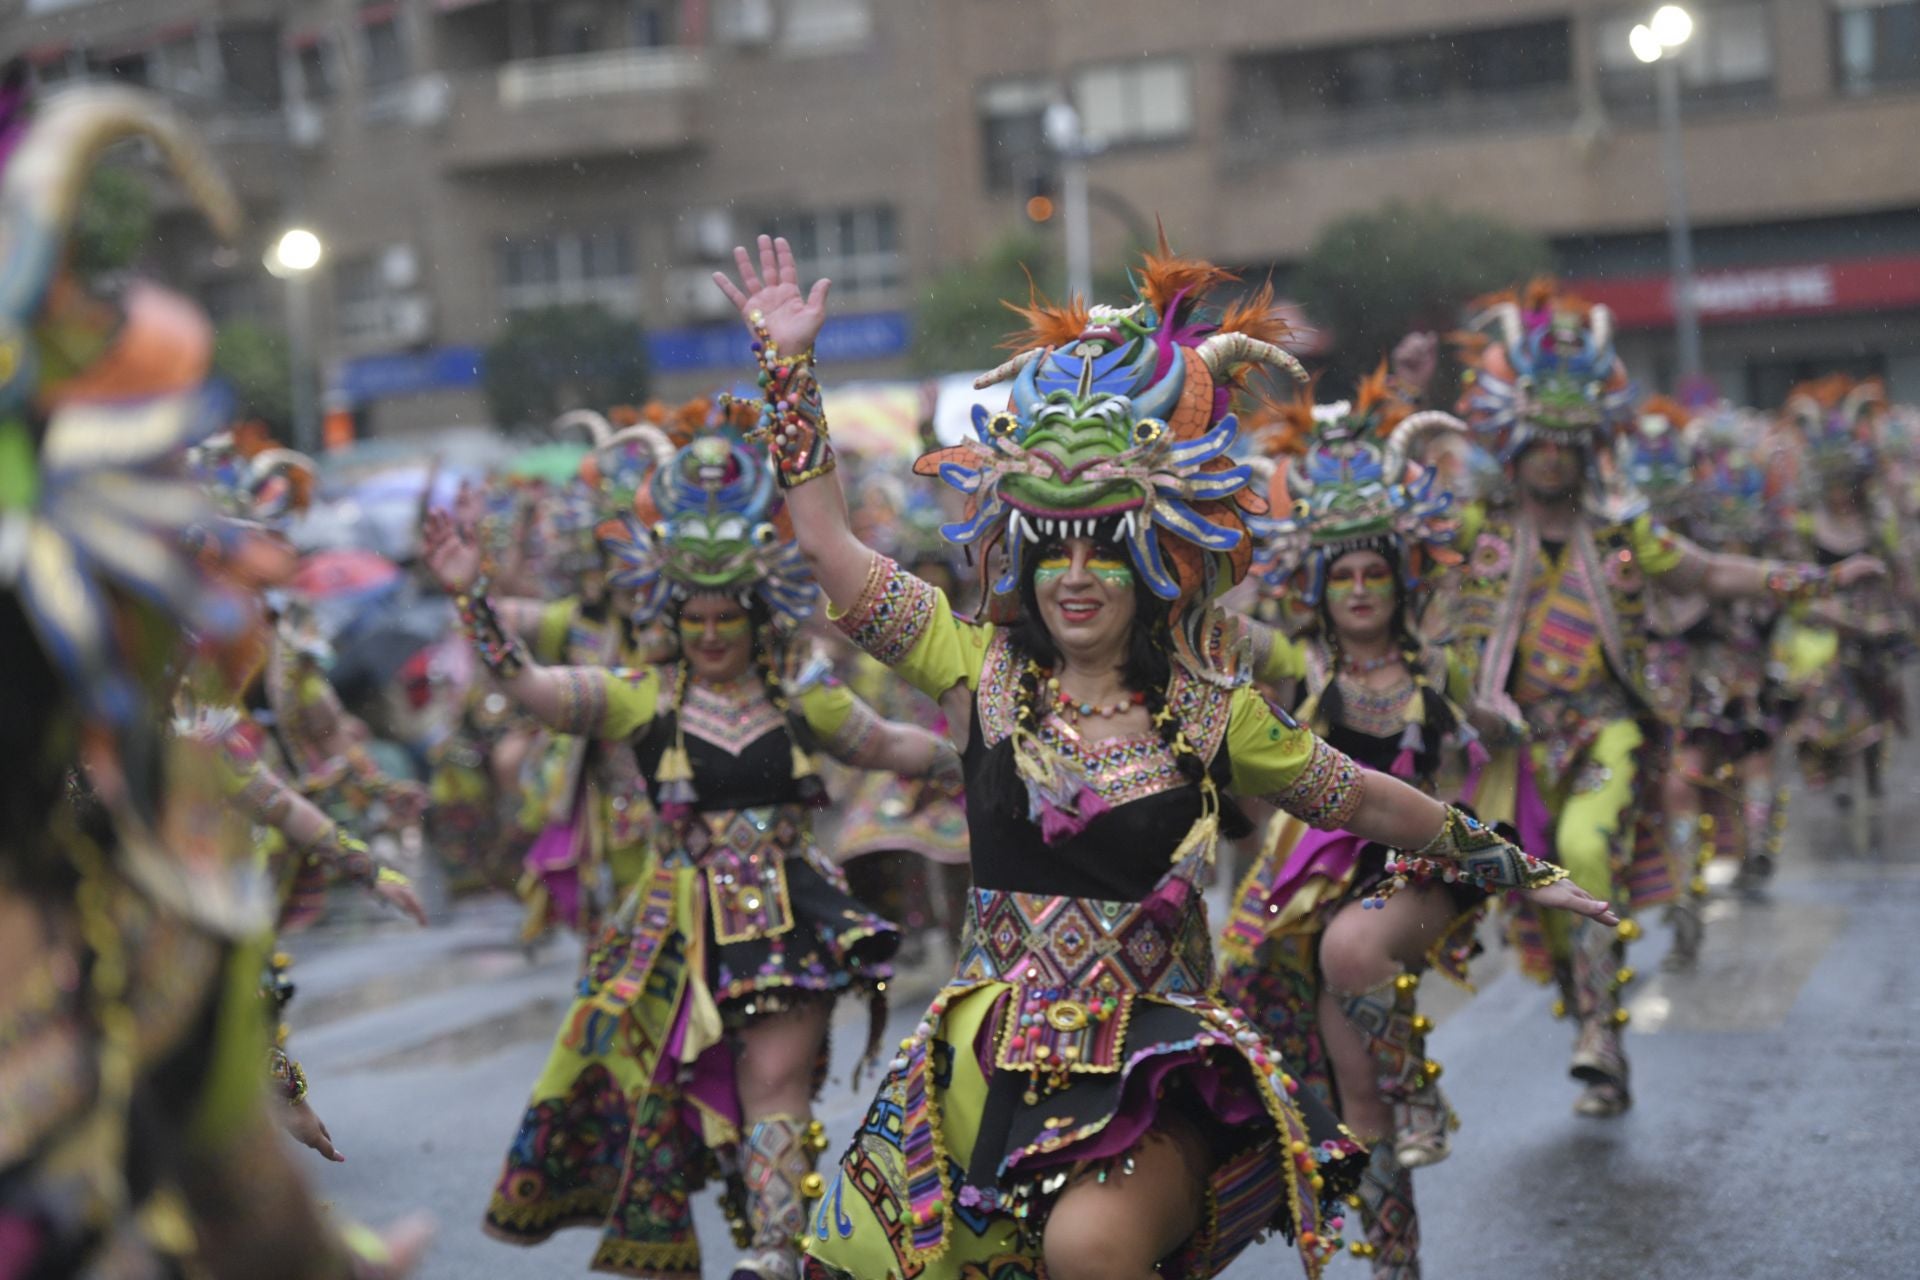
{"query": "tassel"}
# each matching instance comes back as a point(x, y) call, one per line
point(1203, 837)
point(1409, 748)
point(1059, 799)
point(674, 778)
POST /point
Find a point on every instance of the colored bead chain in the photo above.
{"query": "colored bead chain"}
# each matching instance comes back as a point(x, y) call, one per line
point(792, 419)
point(1467, 850)
point(1073, 709)
point(1790, 582)
point(504, 654)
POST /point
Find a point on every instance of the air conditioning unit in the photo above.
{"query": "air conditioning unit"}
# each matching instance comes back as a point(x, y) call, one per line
point(743, 22)
point(693, 294)
point(704, 235)
point(410, 319)
point(306, 125)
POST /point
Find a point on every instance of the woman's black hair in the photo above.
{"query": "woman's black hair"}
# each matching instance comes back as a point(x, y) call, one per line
point(1148, 669)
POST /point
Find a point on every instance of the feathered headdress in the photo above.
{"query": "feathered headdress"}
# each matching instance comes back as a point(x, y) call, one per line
point(1347, 476)
point(1118, 428)
point(1654, 461)
point(1541, 366)
point(1838, 419)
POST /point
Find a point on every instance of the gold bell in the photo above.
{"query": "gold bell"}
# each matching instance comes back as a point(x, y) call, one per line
point(1432, 1069)
point(1559, 1008)
point(1422, 1023)
point(1406, 982)
point(1629, 931)
point(1622, 976)
point(1621, 1017)
point(1706, 824)
point(1698, 886)
point(813, 1186)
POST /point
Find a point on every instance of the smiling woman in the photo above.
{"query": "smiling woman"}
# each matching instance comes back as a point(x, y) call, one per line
point(1078, 1102)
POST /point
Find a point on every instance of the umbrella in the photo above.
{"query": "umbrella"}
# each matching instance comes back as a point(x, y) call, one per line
point(555, 463)
point(877, 419)
point(367, 655)
point(347, 572)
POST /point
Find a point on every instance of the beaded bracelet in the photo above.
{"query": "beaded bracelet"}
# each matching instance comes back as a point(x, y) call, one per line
point(1467, 849)
point(290, 1082)
point(792, 419)
point(1788, 582)
point(503, 653)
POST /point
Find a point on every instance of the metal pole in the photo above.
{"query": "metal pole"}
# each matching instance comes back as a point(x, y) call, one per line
point(306, 422)
point(1075, 213)
point(1686, 315)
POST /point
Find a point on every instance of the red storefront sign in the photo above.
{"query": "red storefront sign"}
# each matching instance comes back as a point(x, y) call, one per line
point(1758, 293)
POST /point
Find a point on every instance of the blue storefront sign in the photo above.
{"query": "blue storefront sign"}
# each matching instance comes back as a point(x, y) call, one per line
point(409, 373)
point(873, 335)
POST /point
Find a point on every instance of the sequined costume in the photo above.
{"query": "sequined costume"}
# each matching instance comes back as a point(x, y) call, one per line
point(134, 1139)
point(1341, 463)
point(736, 915)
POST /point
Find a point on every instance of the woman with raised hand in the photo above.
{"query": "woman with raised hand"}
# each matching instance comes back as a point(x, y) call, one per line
point(1078, 1102)
point(699, 1036)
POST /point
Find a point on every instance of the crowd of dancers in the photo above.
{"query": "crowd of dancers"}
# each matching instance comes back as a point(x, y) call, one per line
point(734, 709)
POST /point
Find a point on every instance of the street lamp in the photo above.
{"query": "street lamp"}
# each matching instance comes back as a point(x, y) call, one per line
point(1658, 42)
point(292, 258)
point(1062, 126)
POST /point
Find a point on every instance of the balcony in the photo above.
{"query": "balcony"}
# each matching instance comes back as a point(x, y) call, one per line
point(540, 111)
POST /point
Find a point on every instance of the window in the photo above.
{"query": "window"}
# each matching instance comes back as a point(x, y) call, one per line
point(315, 69)
point(1728, 60)
point(1013, 134)
point(650, 24)
point(826, 26)
point(1134, 102)
point(385, 45)
point(1438, 82)
point(563, 268)
point(859, 247)
point(359, 300)
point(1876, 44)
point(175, 65)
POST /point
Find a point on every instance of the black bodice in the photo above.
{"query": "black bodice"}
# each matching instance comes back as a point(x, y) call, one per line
point(762, 774)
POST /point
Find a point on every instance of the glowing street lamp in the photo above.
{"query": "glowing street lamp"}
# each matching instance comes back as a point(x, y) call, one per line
point(292, 258)
point(1658, 42)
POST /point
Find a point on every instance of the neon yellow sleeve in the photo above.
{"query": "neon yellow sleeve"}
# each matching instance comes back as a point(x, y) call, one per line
point(1290, 767)
point(844, 724)
point(1277, 656)
point(1657, 549)
point(908, 623)
point(629, 698)
point(550, 634)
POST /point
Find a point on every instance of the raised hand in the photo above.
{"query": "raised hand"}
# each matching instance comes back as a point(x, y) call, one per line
point(453, 559)
point(1861, 568)
point(308, 1129)
point(772, 290)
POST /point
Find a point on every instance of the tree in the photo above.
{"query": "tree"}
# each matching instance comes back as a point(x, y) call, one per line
point(1373, 277)
point(959, 321)
point(253, 361)
point(113, 222)
point(554, 359)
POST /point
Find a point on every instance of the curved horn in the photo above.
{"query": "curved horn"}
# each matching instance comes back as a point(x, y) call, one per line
point(1600, 324)
point(656, 440)
point(1009, 369)
point(272, 462)
point(47, 175)
point(1867, 394)
point(1224, 350)
point(1407, 436)
point(599, 430)
point(1513, 327)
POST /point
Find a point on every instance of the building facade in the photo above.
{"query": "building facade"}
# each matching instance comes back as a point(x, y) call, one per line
point(464, 159)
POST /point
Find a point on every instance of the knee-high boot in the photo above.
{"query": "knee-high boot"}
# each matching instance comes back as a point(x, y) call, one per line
point(779, 1179)
point(1385, 1203)
point(1599, 972)
point(1388, 1016)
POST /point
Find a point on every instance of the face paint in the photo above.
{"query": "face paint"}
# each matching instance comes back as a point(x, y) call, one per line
point(1375, 580)
point(726, 630)
point(1110, 571)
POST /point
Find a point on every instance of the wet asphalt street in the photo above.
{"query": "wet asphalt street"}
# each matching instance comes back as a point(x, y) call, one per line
point(1776, 1132)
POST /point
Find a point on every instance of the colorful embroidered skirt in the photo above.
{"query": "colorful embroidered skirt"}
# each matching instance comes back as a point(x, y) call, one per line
point(1271, 944)
point(636, 1108)
point(1070, 1027)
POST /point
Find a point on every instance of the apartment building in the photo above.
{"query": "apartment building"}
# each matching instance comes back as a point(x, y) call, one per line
point(465, 158)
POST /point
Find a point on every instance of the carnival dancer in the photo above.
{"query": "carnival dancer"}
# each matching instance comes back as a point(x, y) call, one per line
point(133, 1140)
point(1327, 941)
point(1551, 603)
point(1078, 1101)
point(700, 1032)
point(1840, 658)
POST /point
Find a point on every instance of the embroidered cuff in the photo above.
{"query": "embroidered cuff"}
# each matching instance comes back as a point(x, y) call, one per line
point(583, 700)
point(1474, 852)
point(851, 740)
point(1326, 791)
point(891, 614)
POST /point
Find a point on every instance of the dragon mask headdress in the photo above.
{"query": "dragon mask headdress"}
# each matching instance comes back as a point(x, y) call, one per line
point(1541, 366)
point(1118, 428)
point(1349, 480)
point(701, 518)
point(1838, 420)
point(1735, 502)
